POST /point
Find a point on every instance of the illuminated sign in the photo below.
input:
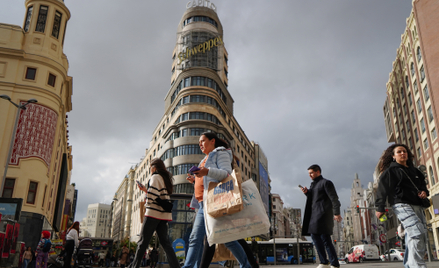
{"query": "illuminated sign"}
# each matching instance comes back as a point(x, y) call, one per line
point(201, 48)
point(201, 3)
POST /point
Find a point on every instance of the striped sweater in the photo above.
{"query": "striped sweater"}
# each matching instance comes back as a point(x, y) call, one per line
point(156, 188)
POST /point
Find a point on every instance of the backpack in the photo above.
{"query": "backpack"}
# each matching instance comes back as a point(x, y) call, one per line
point(47, 245)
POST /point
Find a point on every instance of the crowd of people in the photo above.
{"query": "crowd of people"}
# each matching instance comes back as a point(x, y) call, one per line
point(401, 186)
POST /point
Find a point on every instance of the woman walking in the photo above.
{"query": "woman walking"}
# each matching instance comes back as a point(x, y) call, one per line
point(27, 257)
point(215, 167)
point(72, 242)
point(156, 219)
point(403, 186)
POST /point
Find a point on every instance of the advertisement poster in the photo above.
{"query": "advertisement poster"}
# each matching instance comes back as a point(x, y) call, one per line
point(22, 250)
point(2, 243)
point(178, 246)
point(15, 237)
point(281, 255)
point(8, 240)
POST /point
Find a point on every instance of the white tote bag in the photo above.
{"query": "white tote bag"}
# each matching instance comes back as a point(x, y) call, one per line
point(251, 221)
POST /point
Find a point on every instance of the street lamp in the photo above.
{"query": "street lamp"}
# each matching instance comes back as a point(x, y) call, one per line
point(20, 107)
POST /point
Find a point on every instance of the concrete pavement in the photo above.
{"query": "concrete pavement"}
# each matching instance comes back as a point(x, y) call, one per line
point(392, 264)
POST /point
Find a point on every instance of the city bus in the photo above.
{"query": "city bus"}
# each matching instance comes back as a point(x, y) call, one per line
point(286, 251)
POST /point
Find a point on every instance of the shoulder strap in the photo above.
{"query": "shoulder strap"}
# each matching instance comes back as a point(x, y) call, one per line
point(409, 179)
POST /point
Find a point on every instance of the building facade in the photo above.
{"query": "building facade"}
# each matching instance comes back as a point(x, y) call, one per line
point(411, 106)
point(97, 222)
point(33, 66)
point(198, 101)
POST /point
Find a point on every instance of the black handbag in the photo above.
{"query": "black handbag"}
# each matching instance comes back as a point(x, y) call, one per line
point(425, 202)
point(167, 205)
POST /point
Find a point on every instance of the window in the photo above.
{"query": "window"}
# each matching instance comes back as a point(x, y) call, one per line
point(406, 81)
point(430, 114)
point(32, 194)
point(419, 105)
point(431, 176)
point(418, 53)
point(422, 126)
point(30, 73)
point(51, 80)
point(410, 99)
point(433, 134)
point(402, 93)
point(413, 117)
point(426, 94)
point(419, 152)
point(28, 17)
point(404, 108)
point(415, 87)
point(425, 144)
point(42, 17)
point(408, 125)
point(8, 189)
point(56, 24)
point(416, 134)
point(412, 69)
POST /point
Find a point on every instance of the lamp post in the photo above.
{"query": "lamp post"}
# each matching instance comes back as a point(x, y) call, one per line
point(20, 107)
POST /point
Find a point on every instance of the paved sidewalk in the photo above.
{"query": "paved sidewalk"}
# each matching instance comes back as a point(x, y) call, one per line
point(393, 264)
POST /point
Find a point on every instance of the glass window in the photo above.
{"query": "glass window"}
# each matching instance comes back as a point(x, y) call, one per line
point(28, 18)
point(433, 134)
point(412, 69)
point(408, 125)
point(31, 195)
point(416, 134)
point(415, 87)
point(422, 126)
point(406, 81)
point(42, 17)
point(413, 117)
point(419, 105)
point(422, 73)
point(187, 81)
point(30, 73)
point(402, 93)
point(418, 52)
point(419, 152)
point(426, 94)
point(56, 24)
point(51, 80)
point(425, 144)
point(430, 114)
point(430, 169)
point(8, 188)
point(410, 99)
point(184, 132)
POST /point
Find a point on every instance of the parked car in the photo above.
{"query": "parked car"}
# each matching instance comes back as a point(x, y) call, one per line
point(360, 253)
point(395, 255)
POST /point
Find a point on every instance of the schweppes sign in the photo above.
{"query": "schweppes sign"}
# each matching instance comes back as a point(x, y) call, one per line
point(201, 48)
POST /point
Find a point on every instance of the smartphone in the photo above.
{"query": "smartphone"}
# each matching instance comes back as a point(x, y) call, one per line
point(300, 186)
point(193, 169)
point(139, 184)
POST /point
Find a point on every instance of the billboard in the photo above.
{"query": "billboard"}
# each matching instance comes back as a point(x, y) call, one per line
point(263, 187)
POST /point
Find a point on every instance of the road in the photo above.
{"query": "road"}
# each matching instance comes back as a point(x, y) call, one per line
point(393, 264)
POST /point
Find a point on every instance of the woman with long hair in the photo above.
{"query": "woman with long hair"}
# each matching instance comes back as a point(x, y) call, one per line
point(403, 186)
point(27, 257)
point(158, 190)
point(72, 242)
point(215, 167)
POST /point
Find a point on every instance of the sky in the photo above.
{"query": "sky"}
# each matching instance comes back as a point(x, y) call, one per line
point(308, 79)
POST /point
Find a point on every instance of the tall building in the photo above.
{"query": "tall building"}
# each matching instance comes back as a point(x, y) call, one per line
point(198, 100)
point(36, 158)
point(97, 222)
point(412, 103)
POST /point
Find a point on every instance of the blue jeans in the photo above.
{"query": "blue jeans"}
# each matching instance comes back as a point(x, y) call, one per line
point(25, 263)
point(322, 242)
point(195, 251)
point(413, 220)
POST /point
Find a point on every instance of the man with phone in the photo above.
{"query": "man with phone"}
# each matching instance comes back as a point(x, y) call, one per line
point(322, 208)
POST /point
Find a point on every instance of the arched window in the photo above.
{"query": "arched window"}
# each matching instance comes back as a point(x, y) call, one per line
point(418, 53)
point(431, 176)
point(402, 93)
point(412, 68)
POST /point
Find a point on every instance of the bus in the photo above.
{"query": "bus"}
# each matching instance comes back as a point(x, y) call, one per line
point(286, 251)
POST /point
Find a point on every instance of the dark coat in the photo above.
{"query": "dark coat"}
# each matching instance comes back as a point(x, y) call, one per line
point(321, 205)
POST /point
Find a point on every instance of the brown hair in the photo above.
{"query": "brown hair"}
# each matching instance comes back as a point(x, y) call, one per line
point(162, 171)
point(387, 156)
point(75, 226)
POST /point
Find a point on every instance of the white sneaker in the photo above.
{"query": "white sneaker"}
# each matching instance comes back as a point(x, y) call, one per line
point(335, 266)
point(323, 265)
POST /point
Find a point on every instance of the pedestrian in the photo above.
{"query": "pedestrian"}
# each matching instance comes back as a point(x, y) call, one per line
point(255, 248)
point(107, 258)
point(113, 260)
point(158, 191)
point(214, 167)
point(153, 257)
point(43, 248)
point(27, 257)
point(124, 257)
point(321, 209)
point(72, 242)
point(403, 186)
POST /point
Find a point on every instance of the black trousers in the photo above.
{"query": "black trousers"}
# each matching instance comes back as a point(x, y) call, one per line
point(68, 249)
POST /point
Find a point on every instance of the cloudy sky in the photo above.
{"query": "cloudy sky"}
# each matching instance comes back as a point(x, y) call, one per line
point(308, 79)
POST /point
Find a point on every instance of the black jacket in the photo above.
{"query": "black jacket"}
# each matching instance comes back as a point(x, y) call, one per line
point(321, 205)
point(395, 187)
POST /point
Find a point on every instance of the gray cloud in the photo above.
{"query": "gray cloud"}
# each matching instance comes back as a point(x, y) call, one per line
point(308, 79)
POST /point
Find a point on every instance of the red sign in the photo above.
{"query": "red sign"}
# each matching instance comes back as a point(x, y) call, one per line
point(104, 243)
point(383, 238)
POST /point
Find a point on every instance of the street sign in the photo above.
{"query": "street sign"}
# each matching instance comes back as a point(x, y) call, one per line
point(383, 238)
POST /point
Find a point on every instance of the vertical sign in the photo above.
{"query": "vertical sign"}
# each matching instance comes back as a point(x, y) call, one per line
point(15, 237)
point(8, 240)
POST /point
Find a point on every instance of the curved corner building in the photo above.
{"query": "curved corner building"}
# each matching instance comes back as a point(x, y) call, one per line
point(198, 101)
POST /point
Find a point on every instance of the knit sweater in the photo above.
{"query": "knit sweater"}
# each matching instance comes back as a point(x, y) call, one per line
point(156, 188)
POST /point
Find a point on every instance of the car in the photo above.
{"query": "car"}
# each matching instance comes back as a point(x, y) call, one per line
point(395, 255)
point(360, 253)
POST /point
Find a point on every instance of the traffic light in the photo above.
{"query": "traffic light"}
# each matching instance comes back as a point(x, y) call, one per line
point(335, 242)
point(358, 209)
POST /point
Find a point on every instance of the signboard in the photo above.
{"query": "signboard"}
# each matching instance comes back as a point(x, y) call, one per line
point(383, 238)
point(15, 237)
point(8, 240)
point(263, 187)
point(10, 208)
point(178, 246)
